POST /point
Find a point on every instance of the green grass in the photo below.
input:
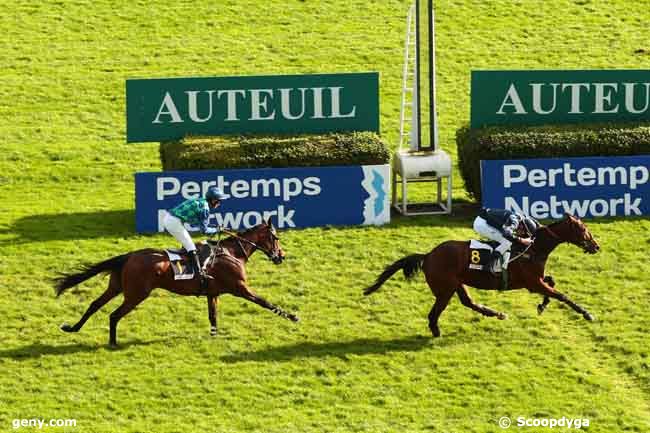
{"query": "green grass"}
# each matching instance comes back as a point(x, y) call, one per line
point(352, 364)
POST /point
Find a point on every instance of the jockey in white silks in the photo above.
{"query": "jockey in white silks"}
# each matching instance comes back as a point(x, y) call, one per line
point(505, 227)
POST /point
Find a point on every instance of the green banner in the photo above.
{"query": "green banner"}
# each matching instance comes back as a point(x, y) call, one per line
point(163, 109)
point(545, 97)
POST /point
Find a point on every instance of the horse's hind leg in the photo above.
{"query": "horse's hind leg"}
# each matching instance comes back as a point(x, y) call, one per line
point(442, 299)
point(133, 296)
point(114, 289)
point(467, 301)
point(115, 317)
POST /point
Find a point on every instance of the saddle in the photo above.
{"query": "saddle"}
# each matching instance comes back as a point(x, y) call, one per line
point(179, 260)
point(480, 255)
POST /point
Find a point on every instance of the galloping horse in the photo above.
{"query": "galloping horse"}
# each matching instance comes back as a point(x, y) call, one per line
point(137, 273)
point(446, 269)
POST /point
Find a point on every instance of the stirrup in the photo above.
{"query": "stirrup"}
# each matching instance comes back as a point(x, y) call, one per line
point(204, 281)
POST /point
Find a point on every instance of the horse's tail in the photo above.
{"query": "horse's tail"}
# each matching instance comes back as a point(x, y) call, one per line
point(410, 264)
point(66, 281)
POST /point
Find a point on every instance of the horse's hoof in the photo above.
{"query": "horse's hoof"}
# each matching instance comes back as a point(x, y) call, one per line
point(294, 318)
point(589, 317)
point(540, 309)
point(67, 328)
point(502, 316)
point(213, 331)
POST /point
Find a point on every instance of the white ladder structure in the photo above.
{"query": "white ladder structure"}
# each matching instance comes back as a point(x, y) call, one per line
point(419, 163)
point(409, 83)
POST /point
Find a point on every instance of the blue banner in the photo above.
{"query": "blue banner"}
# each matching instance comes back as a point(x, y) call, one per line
point(585, 187)
point(290, 197)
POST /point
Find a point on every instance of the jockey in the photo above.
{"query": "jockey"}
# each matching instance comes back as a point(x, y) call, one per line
point(505, 227)
point(195, 212)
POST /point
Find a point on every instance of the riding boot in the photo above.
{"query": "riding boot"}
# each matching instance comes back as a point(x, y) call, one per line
point(494, 265)
point(196, 268)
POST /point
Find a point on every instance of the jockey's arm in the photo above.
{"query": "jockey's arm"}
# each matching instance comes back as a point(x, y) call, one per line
point(525, 241)
point(509, 233)
point(203, 228)
point(509, 230)
point(512, 236)
point(207, 229)
point(204, 223)
point(210, 231)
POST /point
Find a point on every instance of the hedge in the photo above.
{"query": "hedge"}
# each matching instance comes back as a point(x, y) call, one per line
point(196, 153)
point(545, 142)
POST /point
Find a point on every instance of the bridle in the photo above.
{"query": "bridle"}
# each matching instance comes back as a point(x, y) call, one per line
point(272, 255)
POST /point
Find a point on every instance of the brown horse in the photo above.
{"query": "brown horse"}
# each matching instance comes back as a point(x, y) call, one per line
point(446, 269)
point(137, 273)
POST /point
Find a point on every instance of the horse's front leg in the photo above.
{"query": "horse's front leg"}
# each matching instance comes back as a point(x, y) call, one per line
point(542, 306)
point(244, 292)
point(550, 292)
point(213, 303)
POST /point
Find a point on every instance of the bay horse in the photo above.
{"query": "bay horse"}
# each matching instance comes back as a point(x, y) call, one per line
point(447, 271)
point(138, 273)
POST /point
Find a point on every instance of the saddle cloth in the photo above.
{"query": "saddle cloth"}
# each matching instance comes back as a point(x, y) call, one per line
point(480, 254)
point(181, 267)
point(180, 261)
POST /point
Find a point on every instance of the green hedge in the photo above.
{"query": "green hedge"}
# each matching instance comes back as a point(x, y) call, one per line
point(196, 153)
point(545, 142)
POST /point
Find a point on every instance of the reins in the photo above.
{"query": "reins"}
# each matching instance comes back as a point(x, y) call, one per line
point(529, 246)
point(523, 252)
point(239, 239)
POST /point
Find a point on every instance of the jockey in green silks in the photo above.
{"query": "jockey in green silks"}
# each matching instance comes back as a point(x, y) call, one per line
point(194, 212)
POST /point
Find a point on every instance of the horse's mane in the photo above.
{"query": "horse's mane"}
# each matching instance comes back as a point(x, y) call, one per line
point(247, 231)
point(565, 220)
point(554, 223)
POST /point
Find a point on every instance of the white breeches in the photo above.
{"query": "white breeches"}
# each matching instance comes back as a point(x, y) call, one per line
point(175, 227)
point(484, 229)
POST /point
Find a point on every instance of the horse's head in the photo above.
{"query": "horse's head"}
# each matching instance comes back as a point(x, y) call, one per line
point(268, 241)
point(574, 231)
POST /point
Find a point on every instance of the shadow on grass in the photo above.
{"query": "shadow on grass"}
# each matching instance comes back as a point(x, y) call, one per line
point(70, 226)
point(341, 349)
point(36, 350)
point(463, 213)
